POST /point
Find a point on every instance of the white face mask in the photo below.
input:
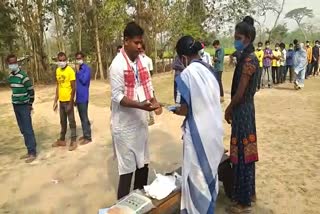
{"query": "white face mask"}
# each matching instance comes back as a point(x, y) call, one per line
point(79, 61)
point(201, 52)
point(62, 64)
point(13, 67)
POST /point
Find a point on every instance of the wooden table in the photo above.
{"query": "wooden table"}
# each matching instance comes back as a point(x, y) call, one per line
point(171, 204)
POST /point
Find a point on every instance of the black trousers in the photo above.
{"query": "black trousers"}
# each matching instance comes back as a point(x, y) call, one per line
point(282, 72)
point(219, 78)
point(315, 67)
point(259, 77)
point(64, 116)
point(275, 75)
point(140, 180)
point(290, 69)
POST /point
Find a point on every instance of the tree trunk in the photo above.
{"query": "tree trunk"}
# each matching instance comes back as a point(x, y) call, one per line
point(58, 26)
point(155, 53)
point(77, 7)
point(303, 32)
point(279, 12)
point(96, 32)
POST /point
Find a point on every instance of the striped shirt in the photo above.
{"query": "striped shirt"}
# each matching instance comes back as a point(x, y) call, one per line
point(22, 89)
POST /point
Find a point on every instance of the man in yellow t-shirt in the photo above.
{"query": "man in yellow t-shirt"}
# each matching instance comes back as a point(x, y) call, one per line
point(65, 92)
point(259, 53)
point(276, 64)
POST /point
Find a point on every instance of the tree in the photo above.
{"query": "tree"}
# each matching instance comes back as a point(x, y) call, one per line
point(8, 33)
point(298, 15)
point(279, 32)
point(221, 16)
point(273, 6)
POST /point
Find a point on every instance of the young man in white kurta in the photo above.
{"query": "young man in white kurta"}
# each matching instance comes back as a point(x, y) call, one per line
point(129, 125)
point(132, 98)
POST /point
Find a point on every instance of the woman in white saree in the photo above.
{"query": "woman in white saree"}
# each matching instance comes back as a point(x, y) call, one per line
point(199, 99)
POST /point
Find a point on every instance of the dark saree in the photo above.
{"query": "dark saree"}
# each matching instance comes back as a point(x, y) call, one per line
point(243, 146)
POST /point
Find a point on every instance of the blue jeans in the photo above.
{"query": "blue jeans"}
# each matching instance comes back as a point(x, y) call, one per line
point(23, 115)
point(85, 123)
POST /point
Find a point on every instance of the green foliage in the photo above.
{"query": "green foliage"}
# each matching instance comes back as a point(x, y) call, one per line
point(8, 33)
point(299, 14)
point(279, 32)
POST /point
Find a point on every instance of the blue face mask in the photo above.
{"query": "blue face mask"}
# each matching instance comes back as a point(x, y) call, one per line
point(13, 67)
point(239, 46)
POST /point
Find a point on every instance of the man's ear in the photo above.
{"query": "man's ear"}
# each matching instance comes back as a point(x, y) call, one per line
point(126, 41)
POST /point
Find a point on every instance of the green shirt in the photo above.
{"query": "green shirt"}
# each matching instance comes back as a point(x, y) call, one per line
point(218, 64)
point(22, 89)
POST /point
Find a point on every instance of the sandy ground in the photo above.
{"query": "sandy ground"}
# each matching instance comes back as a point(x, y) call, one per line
point(85, 180)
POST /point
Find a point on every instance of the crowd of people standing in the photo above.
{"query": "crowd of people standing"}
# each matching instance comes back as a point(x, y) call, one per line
point(198, 85)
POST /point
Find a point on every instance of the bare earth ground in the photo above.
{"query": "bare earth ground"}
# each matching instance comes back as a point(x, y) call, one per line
point(85, 180)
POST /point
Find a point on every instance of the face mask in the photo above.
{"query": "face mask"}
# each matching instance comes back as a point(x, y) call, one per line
point(201, 52)
point(259, 48)
point(13, 67)
point(238, 45)
point(62, 64)
point(79, 62)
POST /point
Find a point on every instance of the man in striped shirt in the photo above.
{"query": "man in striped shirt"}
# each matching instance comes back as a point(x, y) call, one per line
point(22, 100)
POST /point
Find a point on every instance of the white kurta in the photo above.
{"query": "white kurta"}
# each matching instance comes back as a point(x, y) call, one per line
point(129, 125)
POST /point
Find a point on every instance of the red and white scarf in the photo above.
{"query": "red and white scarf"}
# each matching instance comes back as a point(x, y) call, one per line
point(130, 79)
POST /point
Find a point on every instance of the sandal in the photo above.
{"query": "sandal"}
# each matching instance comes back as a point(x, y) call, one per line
point(239, 209)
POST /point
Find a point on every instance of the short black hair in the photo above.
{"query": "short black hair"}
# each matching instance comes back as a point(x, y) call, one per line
point(317, 41)
point(282, 45)
point(277, 44)
point(132, 30)
point(295, 42)
point(246, 28)
point(60, 54)
point(260, 43)
point(267, 42)
point(290, 44)
point(216, 42)
point(307, 41)
point(11, 56)
point(79, 53)
point(119, 47)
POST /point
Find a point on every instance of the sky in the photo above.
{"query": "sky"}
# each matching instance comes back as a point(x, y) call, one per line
point(292, 4)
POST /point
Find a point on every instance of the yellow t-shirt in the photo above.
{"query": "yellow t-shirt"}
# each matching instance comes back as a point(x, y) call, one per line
point(64, 78)
point(276, 63)
point(260, 55)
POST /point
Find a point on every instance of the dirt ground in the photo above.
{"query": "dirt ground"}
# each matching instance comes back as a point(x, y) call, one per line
point(82, 181)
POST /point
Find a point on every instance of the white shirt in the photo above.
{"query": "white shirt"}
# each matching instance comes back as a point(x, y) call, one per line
point(283, 57)
point(148, 61)
point(206, 58)
point(122, 116)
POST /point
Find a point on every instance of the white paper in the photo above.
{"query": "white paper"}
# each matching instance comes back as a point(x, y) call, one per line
point(140, 93)
point(161, 187)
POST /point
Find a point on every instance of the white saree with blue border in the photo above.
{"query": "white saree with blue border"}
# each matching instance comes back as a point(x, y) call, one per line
point(202, 138)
